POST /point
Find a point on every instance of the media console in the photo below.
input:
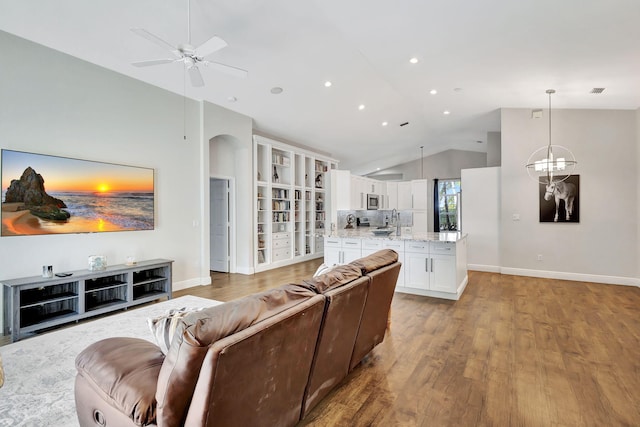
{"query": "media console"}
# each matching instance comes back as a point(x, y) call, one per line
point(35, 303)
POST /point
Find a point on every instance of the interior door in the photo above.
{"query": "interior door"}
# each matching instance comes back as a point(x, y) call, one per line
point(219, 225)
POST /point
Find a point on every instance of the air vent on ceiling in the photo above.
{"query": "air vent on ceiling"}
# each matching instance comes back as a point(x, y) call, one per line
point(597, 90)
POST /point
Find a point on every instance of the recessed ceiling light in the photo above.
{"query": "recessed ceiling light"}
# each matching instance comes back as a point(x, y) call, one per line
point(232, 99)
point(276, 90)
point(446, 112)
point(414, 60)
point(384, 123)
point(361, 107)
point(377, 169)
point(433, 91)
point(327, 84)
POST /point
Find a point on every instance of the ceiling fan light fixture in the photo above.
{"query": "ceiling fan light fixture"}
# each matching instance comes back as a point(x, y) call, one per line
point(188, 54)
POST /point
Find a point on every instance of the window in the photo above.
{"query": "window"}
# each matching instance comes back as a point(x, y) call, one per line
point(448, 215)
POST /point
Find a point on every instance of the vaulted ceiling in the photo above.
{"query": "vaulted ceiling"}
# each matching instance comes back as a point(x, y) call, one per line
point(479, 55)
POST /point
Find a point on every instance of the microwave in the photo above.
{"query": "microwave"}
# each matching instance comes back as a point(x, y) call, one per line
point(373, 201)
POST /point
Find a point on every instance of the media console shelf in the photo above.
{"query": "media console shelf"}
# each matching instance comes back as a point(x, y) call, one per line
point(35, 303)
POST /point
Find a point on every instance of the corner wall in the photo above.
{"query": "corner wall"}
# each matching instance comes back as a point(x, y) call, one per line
point(72, 108)
point(238, 164)
point(603, 247)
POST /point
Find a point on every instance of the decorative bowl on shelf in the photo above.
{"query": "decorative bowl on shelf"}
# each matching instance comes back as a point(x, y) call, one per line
point(382, 232)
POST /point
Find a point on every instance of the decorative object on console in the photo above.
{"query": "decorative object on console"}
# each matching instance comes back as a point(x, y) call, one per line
point(47, 271)
point(351, 218)
point(560, 200)
point(97, 262)
point(81, 197)
point(545, 162)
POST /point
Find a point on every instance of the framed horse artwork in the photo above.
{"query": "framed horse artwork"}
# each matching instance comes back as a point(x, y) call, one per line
point(560, 201)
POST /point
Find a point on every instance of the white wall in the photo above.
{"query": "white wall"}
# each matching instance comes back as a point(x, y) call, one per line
point(445, 165)
point(52, 103)
point(230, 154)
point(481, 217)
point(493, 149)
point(638, 191)
point(603, 246)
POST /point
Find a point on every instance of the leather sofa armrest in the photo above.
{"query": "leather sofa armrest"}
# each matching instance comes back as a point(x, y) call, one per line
point(125, 371)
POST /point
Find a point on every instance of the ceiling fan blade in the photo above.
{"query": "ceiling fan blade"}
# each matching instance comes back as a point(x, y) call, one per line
point(196, 77)
point(153, 62)
point(214, 44)
point(228, 69)
point(157, 40)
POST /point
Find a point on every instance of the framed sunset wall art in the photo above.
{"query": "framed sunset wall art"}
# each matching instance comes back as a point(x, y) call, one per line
point(44, 194)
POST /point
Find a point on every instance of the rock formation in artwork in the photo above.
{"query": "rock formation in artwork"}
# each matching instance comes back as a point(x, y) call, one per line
point(29, 189)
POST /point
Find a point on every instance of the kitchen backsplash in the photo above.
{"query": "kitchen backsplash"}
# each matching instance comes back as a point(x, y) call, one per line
point(377, 218)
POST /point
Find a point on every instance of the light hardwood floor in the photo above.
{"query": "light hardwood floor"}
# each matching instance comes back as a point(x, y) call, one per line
point(513, 351)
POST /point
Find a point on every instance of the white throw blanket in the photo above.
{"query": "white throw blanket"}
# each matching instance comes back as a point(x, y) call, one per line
point(40, 371)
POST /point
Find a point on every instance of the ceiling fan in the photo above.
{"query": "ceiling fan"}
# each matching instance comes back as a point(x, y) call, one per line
point(189, 55)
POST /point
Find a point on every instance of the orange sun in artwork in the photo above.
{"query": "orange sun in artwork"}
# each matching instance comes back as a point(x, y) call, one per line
point(103, 188)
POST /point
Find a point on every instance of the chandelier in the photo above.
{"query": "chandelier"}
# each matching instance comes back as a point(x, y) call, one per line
point(552, 163)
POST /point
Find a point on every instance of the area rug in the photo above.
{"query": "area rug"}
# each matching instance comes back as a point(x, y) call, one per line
point(40, 371)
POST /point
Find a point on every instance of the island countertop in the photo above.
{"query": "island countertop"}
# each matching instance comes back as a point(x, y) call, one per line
point(367, 233)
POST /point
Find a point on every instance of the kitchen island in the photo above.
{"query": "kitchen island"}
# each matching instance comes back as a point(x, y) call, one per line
point(433, 264)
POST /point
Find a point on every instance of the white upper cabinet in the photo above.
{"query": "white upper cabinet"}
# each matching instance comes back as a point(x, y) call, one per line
point(405, 199)
point(419, 192)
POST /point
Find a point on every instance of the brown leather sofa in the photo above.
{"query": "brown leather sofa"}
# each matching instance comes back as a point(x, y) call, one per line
point(263, 360)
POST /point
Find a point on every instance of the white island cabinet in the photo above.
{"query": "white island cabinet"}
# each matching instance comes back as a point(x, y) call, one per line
point(433, 264)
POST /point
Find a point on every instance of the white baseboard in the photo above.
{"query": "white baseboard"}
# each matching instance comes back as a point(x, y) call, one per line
point(190, 283)
point(486, 268)
point(245, 270)
point(561, 275)
point(578, 277)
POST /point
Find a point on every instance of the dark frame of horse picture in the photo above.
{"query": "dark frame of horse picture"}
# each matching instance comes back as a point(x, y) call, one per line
point(560, 201)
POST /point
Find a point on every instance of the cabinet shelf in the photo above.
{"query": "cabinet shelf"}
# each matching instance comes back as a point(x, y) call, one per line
point(59, 297)
point(292, 199)
point(41, 295)
point(28, 321)
point(32, 304)
point(93, 287)
point(105, 304)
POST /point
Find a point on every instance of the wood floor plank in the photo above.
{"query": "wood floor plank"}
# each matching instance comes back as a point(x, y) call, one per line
point(513, 351)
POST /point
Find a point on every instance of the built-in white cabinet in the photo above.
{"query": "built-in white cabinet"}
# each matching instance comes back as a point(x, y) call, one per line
point(292, 196)
point(392, 195)
point(405, 198)
point(341, 250)
point(436, 267)
point(430, 268)
point(420, 221)
point(419, 194)
point(358, 192)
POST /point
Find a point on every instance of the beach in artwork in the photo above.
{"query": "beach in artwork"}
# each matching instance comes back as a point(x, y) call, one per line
point(98, 196)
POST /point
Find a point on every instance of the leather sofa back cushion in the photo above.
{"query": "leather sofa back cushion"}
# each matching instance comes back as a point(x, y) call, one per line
point(375, 261)
point(334, 278)
point(198, 330)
